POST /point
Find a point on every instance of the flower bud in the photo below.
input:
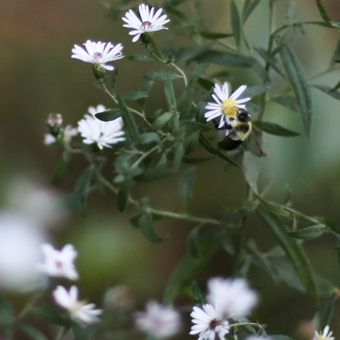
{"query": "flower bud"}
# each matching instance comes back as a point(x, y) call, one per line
point(99, 72)
point(54, 122)
point(145, 38)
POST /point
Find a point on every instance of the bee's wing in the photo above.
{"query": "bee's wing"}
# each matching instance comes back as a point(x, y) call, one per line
point(252, 145)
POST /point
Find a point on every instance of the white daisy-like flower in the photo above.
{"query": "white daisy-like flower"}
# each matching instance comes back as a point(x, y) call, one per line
point(208, 323)
point(98, 53)
point(158, 320)
point(95, 131)
point(226, 104)
point(231, 297)
point(325, 335)
point(148, 21)
point(59, 263)
point(49, 139)
point(80, 311)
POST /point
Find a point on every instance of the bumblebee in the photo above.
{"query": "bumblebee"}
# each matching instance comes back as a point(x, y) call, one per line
point(240, 132)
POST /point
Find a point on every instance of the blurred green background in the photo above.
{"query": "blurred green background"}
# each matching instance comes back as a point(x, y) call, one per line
point(38, 77)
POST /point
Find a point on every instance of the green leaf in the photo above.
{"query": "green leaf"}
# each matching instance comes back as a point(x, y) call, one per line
point(336, 55)
point(162, 75)
point(256, 90)
point(186, 99)
point(270, 59)
point(139, 57)
point(299, 85)
point(324, 316)
point(192, 241)
point(148, 137)
point(185, 188)
point(129, 123)
point(207, 246)
point(178, 155)
point(329, 224)
point(251, 169)
point(49, 314)
point(323, 12)
point(7, 317)
point(161, 121)
point(108, 115)
point(293, 251)
point(145, 223)
point(134, 95)
point(195, 126)
point(248, 7)
point(289, 102)
point(196, 293)
point(275, 129)
point(205, 83)
point(214, 35)
point(81, 189)
point(309, 233)
point(223, 58)
point(328, 90)
point(62, 168)
point(155, 175)
point(190, 160)
point(207, 146)
point(33, 333)
point(290, 12)
point(81, 333)
point(123, 194)
point(114, 81)
point(170, 94)
point(235, 23)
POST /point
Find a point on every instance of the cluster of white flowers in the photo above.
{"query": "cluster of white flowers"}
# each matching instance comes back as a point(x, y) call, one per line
point(227, 298)
point(325, 335)
point(60, 263)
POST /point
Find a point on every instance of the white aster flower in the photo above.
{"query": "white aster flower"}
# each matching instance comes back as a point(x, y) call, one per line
point(94, 131)
point(148, 21)
point(226, 104)
point(98, 53)
point(79, 310)
point(325, 335)
point(158, 320)
point(69, 132)
point(208, 323)
point(59, 263)
point(231, 297)
point(49, 139)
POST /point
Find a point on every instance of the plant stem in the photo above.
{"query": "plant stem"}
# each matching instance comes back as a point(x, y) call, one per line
point(145, 154)
point(61, 333)
point(181, 73)
point(30, 304)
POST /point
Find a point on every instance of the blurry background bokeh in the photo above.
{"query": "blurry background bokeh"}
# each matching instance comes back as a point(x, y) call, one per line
point(38, 77)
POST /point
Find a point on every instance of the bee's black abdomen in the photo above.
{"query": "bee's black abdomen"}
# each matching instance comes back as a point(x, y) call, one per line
point(229, 144)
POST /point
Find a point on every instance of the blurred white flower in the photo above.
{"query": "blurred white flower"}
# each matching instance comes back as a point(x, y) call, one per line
point(226, 104)
point(80, 311)
point(208, 323)
point(59, 263)
point(255, 337)
point(20, 241)
point(94, 131)
point(325, 335)
point(158, 320)
point(148, 21)
point(49, 139)
point(231, 297)
point(98, 53)
point(69, 132)
point(119, 297)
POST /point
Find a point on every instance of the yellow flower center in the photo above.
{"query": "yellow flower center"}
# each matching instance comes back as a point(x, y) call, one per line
point(229, 107)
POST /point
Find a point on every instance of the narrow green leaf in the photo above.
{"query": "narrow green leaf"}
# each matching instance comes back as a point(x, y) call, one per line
point(248, 7)
point(178, 155)
point(328, 90)
point(170, 94)
point(251, 169)
point(129, 123)
point(49, 314)
point(207, 146)
point(123, 194)
point(270, 59)
point(192, 241)
point(154, 175)
point(134, 95)
point(190, 160)
point(62, 168)
point(145, 88)
point(329, 224)
point(81, 190)
point(161, 120)
point(114, 81)
point(214, 35)
point(289, 17)
point(145, 223)
point(275, 129)
point(235, 23)
point(336, 54)
point(195, 126)
point(223, 58)
point(148, 137)
point(7, 317)
point(283, 40)
point(162, 75)
point(289, 102)
point(185, 188)
point(326, 312)
point(108, 115)
point(255, 90)
point(323, 12)
point(299, 85)
point(293, 251)
point(33, 333)
point(81, 333)
point(189, 266)
point(185, 101)
point(309, 233)
point(205, 83)
point(196, 293)
point(139, 57)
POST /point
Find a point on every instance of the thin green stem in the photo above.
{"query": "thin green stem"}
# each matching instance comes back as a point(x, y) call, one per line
point(329, 70)
point(106, 90)
point(61, 333)
point(231, 47)
point(30, 304)
point(181, 73)
point(299, 23)
point(146, 154)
